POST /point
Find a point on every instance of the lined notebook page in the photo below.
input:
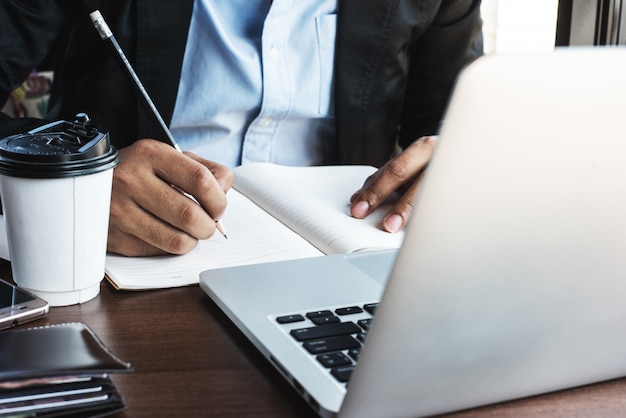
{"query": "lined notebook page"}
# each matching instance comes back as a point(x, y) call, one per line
point(314, 202)
point(253, 237)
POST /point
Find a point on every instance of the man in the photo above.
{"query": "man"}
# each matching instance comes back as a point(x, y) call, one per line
point(381, 78)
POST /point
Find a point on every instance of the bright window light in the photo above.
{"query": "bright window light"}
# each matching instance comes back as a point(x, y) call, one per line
point(512, 26)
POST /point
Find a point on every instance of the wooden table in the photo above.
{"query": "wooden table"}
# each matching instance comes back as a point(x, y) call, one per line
point(189, 360)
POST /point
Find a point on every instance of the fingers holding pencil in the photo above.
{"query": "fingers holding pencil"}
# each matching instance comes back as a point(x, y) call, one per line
point(150, 214)
point(221, 174)
point(224, 177)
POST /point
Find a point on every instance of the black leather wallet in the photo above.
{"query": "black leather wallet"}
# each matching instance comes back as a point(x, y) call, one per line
point(57, 370)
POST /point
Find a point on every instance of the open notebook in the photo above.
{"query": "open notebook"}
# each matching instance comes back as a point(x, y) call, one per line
point(274, 213)
point(511, 279)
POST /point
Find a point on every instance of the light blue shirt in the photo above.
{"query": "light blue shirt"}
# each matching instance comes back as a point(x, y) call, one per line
point(257, 82)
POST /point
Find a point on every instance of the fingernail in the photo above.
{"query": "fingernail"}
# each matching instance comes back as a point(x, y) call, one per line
point(393, 223)
point(360, 209)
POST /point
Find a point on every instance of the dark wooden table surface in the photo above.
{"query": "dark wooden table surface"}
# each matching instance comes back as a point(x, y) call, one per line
point(189, 360)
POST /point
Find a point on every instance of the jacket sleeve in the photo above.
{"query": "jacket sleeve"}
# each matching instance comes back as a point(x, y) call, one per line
point(452, 41)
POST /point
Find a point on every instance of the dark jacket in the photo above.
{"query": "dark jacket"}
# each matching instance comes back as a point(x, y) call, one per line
point(396, 62)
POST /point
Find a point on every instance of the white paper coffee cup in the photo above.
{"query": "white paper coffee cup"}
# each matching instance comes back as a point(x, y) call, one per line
point(56, 207)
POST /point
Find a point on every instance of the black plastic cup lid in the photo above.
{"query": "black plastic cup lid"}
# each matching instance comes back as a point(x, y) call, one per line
point(59, 149)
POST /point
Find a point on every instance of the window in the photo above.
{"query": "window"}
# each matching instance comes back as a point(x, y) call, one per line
point(519, 25)
point(592, 22)
point(539, 25)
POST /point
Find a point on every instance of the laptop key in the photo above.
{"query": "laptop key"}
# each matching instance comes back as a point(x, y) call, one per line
point(325, 345)
point(365, 323)
point(311, 333)
point(354, 353)
point(371, 308)
point(318, 314)
point(325, 320)
point(329, 360)
point(342, 373)
point(349, 310)
point(288, 319)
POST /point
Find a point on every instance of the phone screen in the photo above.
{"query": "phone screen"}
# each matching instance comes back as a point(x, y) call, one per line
point(10, 295)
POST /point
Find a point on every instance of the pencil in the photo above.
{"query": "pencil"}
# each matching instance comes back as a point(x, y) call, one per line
point(106, 35)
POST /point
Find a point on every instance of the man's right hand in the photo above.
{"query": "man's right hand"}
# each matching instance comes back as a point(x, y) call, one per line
point(149, 214)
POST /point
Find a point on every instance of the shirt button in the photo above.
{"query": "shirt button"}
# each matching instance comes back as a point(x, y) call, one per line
point(273, 54)
point(265, 121)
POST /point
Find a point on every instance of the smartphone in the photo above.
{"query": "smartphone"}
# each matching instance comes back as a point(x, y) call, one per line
point(18, 306)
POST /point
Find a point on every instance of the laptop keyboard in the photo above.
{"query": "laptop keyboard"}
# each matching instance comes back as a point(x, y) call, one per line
point(334, 337)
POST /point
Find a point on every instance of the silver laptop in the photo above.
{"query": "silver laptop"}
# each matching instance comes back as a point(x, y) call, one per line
point(511, 280)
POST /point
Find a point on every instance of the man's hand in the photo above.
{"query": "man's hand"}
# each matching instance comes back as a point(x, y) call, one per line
point(401, 175)
point(149, 214)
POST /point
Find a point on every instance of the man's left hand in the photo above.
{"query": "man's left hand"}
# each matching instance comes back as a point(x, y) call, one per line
point(402, 175)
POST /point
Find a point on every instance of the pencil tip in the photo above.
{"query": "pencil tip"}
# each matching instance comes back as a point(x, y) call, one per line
point(220, 228)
